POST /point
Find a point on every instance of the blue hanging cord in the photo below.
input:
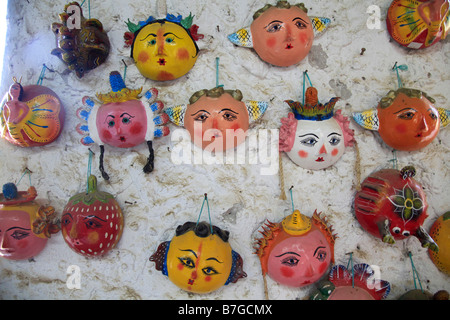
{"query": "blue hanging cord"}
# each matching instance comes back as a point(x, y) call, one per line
point(24, 173)
point(209, 213)
point(89, 170)
point(305, 75)
point(292, 200)
point(41, 76)
point(89, 6)
point(394, 160)
point(415, 273)
point(217, 73)
point(350, 262)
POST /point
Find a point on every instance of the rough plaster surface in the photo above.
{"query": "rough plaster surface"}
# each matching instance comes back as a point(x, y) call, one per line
point(240, 196)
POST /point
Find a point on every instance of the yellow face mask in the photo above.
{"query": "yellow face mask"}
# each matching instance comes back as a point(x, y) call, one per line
point(164, 50)
point(197, 264)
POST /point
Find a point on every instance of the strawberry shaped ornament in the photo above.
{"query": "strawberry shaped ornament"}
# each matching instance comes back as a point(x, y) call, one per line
point(31, 115)
point(392, 206)
point(418, 24)
point(122, 119)
point(82, 44)
point(281, 35)
point(92, 221)
point(358, 283)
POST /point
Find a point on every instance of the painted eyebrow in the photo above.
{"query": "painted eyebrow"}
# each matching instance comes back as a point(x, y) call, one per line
point(298, 18)
point(167, 33)
point(405, 109)
point(150, 34)
point(334, 133)
point(273, 22)
point(191, 251)
point(308, 134)
point(126, 113)
point(92, 216)
point(200, 111)
point(318, 249)
point(12, 228)
point(227, 109)
point(215, 259)
point(289, 252)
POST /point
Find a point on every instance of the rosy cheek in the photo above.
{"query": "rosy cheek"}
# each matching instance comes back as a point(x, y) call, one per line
point(401, 128)
point(335, 152)
point(136, 129)
point(23, 244)
point(106, 135)
point(183, 54)
point(323, 267)
point(303, 154)
point(180, 266)
point(208, 278)
point(143, 56)
point(287, 272)
point(303, 38)
point(271, 42)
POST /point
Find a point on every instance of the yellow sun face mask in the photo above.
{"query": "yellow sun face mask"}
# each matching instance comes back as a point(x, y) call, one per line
point(164, 50)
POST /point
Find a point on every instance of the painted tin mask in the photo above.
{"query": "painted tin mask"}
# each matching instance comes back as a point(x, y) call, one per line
point(358, 283)
point(418, 24)
point(217, 119)
point(92, 221)
point(406, 119)
point(82, 44)
point(122, 119)
point(440, 232)
point(163, 49)
point(391, 205)
point(297, 251)
point(25, 226)
point(313, 135)
point(30, 116)
point(281, 35)
point(199, 258)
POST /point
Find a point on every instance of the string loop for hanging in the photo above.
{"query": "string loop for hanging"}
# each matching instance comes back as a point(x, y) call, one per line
point(217, 73)
point(124, 70)
point(415, 273)
point(402, 67)
point(89, 170)
point(26, 171)
point(205, 200)
point(305, 75)
point(394, 160)
point(41, 76)
point(350, 263)
point(292, 199)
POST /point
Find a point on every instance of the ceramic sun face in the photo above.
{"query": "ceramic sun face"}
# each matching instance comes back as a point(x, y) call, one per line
point(164, 49)
point(406, 119)
point(199, 258)
point(313, 136)
point(418, 24)
point(31, 115)
point(297, 251)
point(122, 119)
point(281, 35)
point(92, 221)
point(217, 119)
point(81, 49)
point(25, 226)
point(391, 205)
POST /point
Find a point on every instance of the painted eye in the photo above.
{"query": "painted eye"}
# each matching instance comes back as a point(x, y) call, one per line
point(93, 224)
point(274, 27)
point(201, 117)
point(126, 120)
point(407, 115)
point(321, 255)
point(396, 230)
point(406, 233)
point(433, 116)
point(20, 234)
point(111, 123)
point(187, 262)
point(300, 25)
point(66, 220)
point(228, 116)
point(310, 142)
point(290, 261)
point(334, 141)
point(169, 40)
point(152, 42)
point(209, 271)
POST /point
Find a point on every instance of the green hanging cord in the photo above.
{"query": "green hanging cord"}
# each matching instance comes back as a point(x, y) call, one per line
point(24, 173)
point(305, 75)
point(124, 70)
point(209, 213)
point(217, 73)
point(350, 262)
point(292, 199)
point(41, 76)
point(402, 67)
point(89, 170)
point(89, 6)
point(394, 160)
point(415, 273)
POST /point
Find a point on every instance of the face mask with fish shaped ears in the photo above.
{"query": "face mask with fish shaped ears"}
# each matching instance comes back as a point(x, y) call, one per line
point(418, 24)
point(31, 116)
point(313, 135)
point(81, 47)
point(281, 35)
point(391, 205)
point(217, 119)
point(122, 119)
point(406, 119)
point(199, 258)
point(297, 251)
point(163, 49)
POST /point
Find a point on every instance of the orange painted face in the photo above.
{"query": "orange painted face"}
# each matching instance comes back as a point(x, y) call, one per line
point(164, 51)
point(282, 37)
point(220, 122)
point(408, 123)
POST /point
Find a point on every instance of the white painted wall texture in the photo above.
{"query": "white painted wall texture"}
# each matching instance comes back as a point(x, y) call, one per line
point(240, 197)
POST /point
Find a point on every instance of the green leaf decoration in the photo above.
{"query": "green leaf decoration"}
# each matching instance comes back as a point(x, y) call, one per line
point(132, 26)
point(187, 22)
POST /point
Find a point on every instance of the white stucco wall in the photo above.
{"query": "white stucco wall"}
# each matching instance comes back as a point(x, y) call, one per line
point(240, 196)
